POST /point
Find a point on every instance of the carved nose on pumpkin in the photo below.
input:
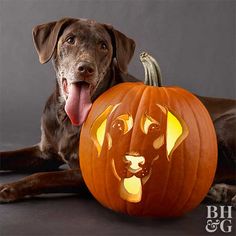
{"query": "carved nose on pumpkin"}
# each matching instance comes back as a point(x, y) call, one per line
point(135, 162)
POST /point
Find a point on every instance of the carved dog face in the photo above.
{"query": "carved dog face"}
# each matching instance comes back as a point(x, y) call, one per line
point(136, 143)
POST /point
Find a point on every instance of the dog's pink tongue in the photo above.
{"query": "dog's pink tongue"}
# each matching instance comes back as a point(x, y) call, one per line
point(78, 103)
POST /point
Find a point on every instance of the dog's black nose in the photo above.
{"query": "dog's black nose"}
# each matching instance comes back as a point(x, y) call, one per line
point(86, 68)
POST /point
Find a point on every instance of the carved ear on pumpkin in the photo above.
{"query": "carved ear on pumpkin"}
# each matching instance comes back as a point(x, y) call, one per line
point(98, 128)
point(123, 48)
point(176, 132)
point(45, 37)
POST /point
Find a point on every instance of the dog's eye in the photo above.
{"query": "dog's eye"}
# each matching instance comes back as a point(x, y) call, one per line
point(70, 40)
point(123, 123)
point(103, 46)
point(149, 125)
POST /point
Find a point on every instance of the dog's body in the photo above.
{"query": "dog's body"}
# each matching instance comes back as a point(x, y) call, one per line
point(88, 59)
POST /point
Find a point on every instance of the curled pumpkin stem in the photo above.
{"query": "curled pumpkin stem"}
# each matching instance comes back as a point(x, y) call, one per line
point(151, 69)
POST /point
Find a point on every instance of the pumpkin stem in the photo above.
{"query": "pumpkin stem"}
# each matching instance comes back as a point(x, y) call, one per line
point(151, 69)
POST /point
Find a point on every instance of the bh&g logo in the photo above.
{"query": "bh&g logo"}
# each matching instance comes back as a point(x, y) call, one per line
point(219, 218)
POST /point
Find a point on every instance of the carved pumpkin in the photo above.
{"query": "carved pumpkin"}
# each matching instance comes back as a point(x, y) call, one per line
point(148, 150)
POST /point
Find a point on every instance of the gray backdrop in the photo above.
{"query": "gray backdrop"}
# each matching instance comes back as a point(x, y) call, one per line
point(193, 40)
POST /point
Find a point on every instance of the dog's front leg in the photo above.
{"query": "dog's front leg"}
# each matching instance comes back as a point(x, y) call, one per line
point(67, 181)
point(29, 159)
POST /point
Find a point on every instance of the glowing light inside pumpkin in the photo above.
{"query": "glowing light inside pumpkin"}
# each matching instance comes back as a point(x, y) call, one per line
point(132, 184)
point(101, 132)
point(174, 130)
point(131, 189)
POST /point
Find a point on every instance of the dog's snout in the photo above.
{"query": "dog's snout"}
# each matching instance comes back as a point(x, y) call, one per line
point(86, 68)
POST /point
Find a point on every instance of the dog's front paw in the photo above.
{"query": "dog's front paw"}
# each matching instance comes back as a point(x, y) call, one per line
point(223, 193)
point(218, 193)
point(8, 193)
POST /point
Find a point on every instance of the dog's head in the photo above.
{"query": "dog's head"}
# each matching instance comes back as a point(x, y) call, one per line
point(134, 144)
point(83, 53)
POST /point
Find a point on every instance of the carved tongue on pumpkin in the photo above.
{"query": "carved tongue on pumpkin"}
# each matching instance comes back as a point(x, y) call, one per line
point(131, 189)
point(78, 103)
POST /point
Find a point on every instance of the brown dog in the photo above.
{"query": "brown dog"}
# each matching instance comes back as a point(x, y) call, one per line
point(89, 58)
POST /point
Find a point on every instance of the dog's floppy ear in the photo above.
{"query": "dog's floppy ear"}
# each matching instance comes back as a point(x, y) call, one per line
point(176, 132)
point(123, 48)
point(45, 38)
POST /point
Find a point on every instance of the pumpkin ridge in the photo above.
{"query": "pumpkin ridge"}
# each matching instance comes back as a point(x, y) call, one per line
point(176, 105)
point(176, 93)
point(199, 155)
point(98, 191)
point(197, 171)
point(173, 92)
point(112, 117)
point(166, 97)
point(145, 90)
point(127, 92)
point(110, 202)
point(152, 90)
point(183, 147)
point(141, 97)
point(174, 203)
point(92, 169)
point(169, 169)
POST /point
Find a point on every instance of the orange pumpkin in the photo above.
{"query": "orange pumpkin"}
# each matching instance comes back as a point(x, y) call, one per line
point(148, 150)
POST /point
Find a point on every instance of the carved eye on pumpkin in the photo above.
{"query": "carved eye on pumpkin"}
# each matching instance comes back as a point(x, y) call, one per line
point(149, 125)
point(123, 123)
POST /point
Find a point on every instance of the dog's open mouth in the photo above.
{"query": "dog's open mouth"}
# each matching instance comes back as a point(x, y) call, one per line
point(78, 103)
